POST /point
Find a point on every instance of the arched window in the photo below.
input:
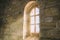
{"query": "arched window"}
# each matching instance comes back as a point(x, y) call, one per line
point(31, 24)
point(34, 20)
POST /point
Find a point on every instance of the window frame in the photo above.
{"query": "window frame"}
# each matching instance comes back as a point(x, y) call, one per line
point(35, 15)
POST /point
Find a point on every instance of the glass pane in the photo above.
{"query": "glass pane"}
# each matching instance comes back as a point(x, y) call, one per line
point(37, 19)
point(32, 20)
point(37, 11)
point(32, 28)
point(37, 28)
point(32, 12)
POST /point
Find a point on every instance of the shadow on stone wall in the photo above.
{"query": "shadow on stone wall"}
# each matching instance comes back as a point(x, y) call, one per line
point(3, 5)
point(58, 6)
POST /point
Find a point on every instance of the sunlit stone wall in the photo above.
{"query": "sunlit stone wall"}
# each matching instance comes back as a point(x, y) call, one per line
point(11, 20)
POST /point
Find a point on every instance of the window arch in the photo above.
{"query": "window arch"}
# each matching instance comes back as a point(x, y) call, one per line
point(31, 19)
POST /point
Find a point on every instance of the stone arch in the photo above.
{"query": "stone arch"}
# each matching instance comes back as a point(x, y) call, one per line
point(30, 5)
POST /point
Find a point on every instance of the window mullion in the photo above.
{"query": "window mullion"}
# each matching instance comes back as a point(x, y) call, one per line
point(35, 19)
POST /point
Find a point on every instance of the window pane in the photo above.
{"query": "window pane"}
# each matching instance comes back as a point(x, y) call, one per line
point(32, 12)
point(32, 28)
point(37, 19)
point(32, 20)
point(37, 11)
point(37, 28)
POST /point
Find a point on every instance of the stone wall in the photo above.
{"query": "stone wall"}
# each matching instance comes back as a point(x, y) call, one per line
point(11, 19)
point(50, 20)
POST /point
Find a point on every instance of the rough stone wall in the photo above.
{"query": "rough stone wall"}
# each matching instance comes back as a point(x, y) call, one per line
point(11, 19)
point(50, 20)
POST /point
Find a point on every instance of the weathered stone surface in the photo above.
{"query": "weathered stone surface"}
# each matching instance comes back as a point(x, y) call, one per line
point(11, 19)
